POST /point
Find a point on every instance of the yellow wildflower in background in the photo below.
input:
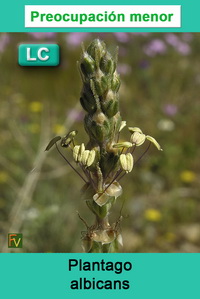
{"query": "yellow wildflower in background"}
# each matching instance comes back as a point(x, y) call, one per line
point(35, 106)
point(3, 177)
point(153, 215)
point(187, 176)
point(59, 129)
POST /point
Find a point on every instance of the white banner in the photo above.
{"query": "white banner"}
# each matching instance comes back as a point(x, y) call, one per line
point(102, 16)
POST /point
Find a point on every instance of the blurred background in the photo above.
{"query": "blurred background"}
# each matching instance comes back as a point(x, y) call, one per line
point(160, 93)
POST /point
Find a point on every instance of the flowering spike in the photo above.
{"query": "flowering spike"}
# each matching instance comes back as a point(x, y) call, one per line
point(99, 95)
point(101, 161)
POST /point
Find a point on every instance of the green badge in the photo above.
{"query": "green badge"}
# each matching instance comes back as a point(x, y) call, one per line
point(38, 55)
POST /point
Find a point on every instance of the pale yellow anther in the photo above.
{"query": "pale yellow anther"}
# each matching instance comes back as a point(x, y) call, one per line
point(125, 144)
point(130, 162)
point(76, 152)
point(134, 129)
point(84, 157)
point(82, 149)
point(138, 138)
point(153, 140)
point(123, 161)
point(87, 157)
point(126, 161)
point(91, 158)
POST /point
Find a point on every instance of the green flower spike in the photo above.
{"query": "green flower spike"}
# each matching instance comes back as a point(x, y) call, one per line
point(104, 160)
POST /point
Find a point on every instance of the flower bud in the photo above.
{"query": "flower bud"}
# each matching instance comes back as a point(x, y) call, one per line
point(100, 85)
point(110, 108)
point(115, 83)
point(97, 49)
point(107, 64)
point(101, 132)
point(87, 100)
point(87, 64)
point(98, 126)
point(110, 104)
